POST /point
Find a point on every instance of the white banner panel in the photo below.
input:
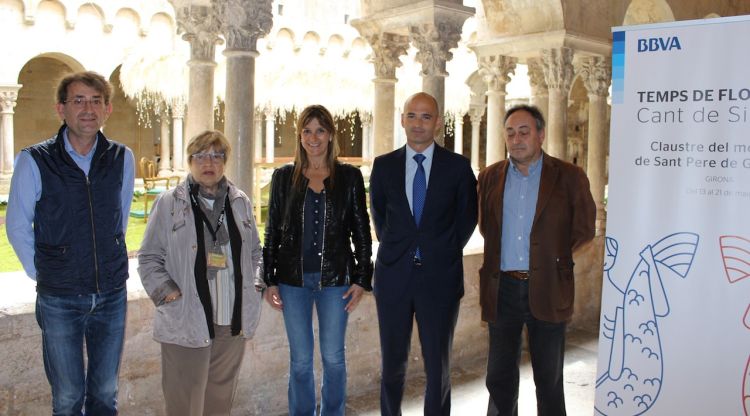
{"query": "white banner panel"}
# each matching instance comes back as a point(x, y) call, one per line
point(675, 323)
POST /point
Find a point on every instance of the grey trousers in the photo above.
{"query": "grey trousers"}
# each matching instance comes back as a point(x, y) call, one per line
point(201, 381)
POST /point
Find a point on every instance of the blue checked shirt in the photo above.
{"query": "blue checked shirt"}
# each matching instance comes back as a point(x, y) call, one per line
point(519, 206)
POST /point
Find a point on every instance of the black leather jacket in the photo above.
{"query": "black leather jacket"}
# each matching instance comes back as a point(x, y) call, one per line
point(346, 222)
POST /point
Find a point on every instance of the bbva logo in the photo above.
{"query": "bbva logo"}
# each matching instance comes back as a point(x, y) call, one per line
point(659, 44)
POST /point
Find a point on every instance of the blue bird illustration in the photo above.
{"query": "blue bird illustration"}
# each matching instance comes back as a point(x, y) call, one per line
point(632, 381)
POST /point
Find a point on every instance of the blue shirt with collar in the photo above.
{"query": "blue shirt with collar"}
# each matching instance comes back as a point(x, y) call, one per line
point(411, 169)
point(519, 206)
point(26, 190)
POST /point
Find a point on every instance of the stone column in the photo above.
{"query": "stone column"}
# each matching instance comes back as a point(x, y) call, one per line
point(386, 49)
point(8, 100)
point(558, 74)
point(270, 127)
point(596, 74)
point(164, 162)
point(200, 27)
point(242, 23)
point(539, 93)
point(496, 70)
point(366, 119)
point(258, 133)
point(178, 150)
point(476, 114)
point(434, 42)
point(458, 133)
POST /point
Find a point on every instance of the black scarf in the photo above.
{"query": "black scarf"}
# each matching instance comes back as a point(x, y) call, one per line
point(214, 214)
point(201, 267)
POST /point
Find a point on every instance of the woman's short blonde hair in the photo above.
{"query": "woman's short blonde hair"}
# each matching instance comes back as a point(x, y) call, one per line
point(206, 140)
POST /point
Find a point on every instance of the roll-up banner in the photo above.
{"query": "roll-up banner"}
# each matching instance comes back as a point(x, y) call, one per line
point(675, 322)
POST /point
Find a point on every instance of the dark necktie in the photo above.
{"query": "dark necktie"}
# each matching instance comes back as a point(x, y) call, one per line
point(419, 189)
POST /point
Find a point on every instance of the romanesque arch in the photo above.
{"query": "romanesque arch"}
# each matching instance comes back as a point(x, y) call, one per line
point(578, 117)
point(648, 11)
point(514, 17)
point(127, 25)
point(35, 118)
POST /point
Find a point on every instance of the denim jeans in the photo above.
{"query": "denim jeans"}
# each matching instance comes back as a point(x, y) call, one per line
point(332, 319)
point(66, 321)
point(546, 348)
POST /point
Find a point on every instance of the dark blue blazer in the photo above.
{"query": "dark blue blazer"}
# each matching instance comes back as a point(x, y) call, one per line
point(448, 220)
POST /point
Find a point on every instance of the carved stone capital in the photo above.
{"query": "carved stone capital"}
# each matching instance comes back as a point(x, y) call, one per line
point(269, 112)
point(164, 115)
point(476, 114)
point(386, 50)
point(536, 77)
point(8, 98)
point(596, 74)
point(495, 70)
point(199, 25)
point(433, 43)
point(243, 21)
point(366, 119)
point(557, 65)
point(178, 109)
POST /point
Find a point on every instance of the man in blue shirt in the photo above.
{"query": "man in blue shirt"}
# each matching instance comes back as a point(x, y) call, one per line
point(424, 208)
point(67, 215)
point(535, 211)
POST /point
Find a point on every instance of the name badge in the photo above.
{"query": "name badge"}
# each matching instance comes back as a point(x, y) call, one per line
point(217, 260)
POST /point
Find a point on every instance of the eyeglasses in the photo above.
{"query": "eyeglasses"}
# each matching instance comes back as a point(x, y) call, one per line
point(81, 102)
point(205, 157)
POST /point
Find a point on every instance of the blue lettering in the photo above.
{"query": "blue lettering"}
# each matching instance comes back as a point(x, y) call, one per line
point(659, 44)
point(653, 44)
point(642, 45)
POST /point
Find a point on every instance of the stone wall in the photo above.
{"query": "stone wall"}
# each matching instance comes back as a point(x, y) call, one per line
point(263, 378)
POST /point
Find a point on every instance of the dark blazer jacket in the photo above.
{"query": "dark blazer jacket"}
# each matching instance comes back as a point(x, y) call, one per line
point(564, 220)
point(448, 220)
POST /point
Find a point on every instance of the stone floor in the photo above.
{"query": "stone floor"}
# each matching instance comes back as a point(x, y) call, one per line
point(470, 396)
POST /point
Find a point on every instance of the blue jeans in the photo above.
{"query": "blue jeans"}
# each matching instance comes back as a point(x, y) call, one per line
point(66, 321)
point(332, 319)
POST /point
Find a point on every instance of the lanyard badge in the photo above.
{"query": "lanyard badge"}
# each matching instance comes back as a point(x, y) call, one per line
point(215, 257)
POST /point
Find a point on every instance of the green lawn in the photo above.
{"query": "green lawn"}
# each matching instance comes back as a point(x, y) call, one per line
point(136, 227)
point(9, 262)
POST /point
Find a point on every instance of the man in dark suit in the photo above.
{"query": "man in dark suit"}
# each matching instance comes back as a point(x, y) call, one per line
point(424, 208)
point(535, 211)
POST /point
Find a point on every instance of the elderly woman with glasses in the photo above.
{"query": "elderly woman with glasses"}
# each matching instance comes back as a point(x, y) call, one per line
point(199, 262)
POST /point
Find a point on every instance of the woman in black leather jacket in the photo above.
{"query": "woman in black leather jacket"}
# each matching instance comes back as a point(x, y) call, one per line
point(317, 212)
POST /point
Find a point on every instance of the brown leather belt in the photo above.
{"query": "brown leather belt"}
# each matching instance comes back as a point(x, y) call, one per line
point(517, 274)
